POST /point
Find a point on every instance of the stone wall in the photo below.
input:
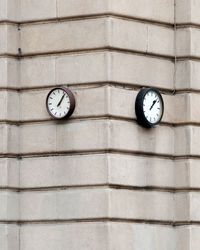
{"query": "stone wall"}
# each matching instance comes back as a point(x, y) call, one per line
point(98, 180)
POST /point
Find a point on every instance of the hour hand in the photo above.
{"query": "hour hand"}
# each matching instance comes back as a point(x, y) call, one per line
point(60, 100)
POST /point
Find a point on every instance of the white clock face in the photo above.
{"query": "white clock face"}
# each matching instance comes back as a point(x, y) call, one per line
point(152, 107)
point(58, 103)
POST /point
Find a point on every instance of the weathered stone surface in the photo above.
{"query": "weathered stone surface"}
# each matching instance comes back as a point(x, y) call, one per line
point(187, 41)
point(187, 74)
point(112, 32)
point(90, 236)
point(46, 137)
point(64, 36)
point(9, 72)
point(9, 172)
point(9, 10)
point(9, 209)
point(37, 10)
point(76, 170)
point(104, 67)
point(187, 11)
point(144, 9)
point(9, 39)
point(113, 235)
point(9, 237)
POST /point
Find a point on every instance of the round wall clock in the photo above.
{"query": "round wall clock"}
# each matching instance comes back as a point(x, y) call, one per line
point(60, 103)
point(149, 107)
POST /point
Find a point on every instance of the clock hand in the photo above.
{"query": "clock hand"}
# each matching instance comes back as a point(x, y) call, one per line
point(60, 100)
point(153, 104)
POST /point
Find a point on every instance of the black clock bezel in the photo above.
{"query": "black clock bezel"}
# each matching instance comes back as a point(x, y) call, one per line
point(71, 99)
point(141, 119)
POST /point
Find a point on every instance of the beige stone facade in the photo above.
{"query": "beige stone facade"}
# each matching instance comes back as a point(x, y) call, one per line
point(99, 181)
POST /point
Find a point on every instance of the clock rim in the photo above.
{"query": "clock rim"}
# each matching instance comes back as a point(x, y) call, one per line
point(141, 119)
point(72, 102)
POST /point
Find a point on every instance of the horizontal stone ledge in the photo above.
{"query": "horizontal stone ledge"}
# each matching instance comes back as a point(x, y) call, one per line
point(95, 133)
point(108, 235)
point(93, 203)
point(125, 136)
point(99, 169)
point(22, 11)
point(104, 66)
point(111, 101)
point(112, 32)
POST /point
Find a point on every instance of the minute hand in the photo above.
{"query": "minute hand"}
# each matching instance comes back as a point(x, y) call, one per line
point(60, 100)
point(153, 104)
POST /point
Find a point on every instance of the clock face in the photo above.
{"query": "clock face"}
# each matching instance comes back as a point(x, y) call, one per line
point(152, 106)
point(60, 103)
point(149, 107)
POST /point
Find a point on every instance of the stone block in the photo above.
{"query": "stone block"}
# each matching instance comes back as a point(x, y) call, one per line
point(38, 71)
point(57, 236)
point(183, 11)
point(161, 11)
point(130, 236)
point(187, 11)
point(193, 173)
point(9, 209)
point(194, 201)
point(64, 36)
point(187, 42)
point(37, 10)
point(61, 171)
point(141, 205)
point(142, 70)
point(9, 10)
point(187, 75)
point(9, 72)
point(9, 102)
point(74, 68)
point(9, 139)
point(187, 140)
point(138, 171)
point(75, 204)
point(160, 40)
point(78, 8)
point(9, 237)
point(9, 39)
point(141, 37)
point(70, 136)
point(9, 172)
point(130, 137)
